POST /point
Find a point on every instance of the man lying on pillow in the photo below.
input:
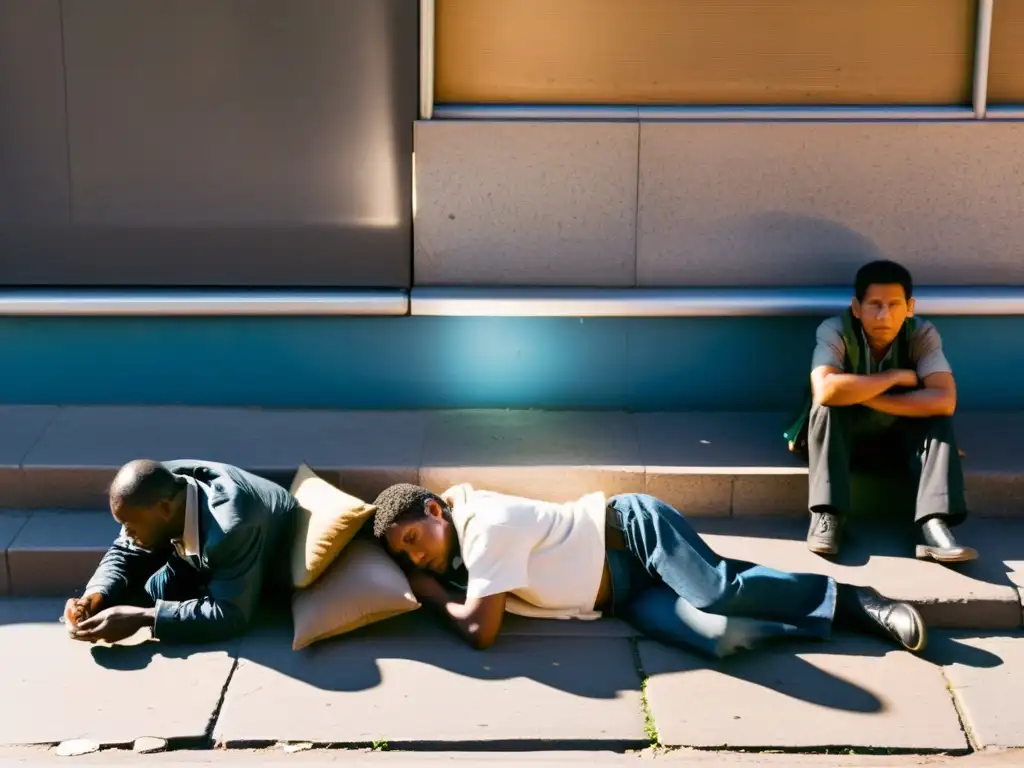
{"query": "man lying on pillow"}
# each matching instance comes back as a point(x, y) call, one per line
point(634, 557)
point(198, 543)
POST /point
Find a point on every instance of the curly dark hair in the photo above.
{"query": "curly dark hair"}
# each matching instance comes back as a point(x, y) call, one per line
point(401, 502)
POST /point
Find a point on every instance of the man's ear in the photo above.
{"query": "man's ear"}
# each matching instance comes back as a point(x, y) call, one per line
point(434, 509)
point(855, 307)
point(165, 508)
point(911, 306)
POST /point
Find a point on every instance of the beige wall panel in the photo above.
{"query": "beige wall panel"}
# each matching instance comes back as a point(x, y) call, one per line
point(1006, 67)
point(705, 51)
point(807, 203)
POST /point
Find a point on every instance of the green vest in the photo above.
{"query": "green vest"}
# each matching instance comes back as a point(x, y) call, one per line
point(857, 361)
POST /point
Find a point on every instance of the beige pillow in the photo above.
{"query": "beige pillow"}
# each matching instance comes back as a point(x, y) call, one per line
point(363, 586)
point(327, 520)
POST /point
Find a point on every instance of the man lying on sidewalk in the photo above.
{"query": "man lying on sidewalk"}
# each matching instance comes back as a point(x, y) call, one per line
point(883, 400)
point(634, 557)
point(198, 543)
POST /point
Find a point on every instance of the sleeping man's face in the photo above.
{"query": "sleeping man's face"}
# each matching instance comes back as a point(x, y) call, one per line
point(427, 541)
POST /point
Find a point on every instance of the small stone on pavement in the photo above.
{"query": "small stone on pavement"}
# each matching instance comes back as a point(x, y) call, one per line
point(75, 747)
point(147, 745)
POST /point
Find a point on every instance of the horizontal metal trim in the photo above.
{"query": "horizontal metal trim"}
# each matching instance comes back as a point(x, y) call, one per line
point(533, 112)
point(694, 302)
point(197, 302)
point(698, 113)
point(1004, 112)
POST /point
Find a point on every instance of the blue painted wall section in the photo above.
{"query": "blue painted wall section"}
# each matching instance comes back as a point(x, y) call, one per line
point(447, 362)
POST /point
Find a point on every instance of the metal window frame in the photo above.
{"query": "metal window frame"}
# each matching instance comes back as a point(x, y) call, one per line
point(428, 14)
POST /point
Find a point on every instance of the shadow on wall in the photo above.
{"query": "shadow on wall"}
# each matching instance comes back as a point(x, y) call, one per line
point(812, 250)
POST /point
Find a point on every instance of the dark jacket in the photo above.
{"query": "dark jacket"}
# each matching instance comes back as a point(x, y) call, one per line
point(246, 525)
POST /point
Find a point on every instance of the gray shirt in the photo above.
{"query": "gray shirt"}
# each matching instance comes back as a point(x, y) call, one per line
point(926, 353)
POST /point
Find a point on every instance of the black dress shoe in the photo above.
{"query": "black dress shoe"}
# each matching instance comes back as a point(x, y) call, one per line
point(890, 619)
point(940, 546)
point(823, 535)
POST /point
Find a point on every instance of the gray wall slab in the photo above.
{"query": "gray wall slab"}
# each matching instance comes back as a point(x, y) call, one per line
point(525, 203)
point(224, 142)
point(33, 124)
point(807, 203)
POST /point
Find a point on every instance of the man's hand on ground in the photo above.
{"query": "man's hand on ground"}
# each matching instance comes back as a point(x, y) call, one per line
point(113, 624)
point(78, 609)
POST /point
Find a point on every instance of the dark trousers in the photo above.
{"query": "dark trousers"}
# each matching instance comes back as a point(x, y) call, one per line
point(669, 584)
point(848, 438)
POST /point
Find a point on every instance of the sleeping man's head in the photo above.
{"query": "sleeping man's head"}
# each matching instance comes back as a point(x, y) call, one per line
point(415, 524)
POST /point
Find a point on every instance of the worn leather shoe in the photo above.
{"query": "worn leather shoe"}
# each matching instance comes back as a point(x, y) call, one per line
point(940, 546)
point(891, 619)
point(823, 535)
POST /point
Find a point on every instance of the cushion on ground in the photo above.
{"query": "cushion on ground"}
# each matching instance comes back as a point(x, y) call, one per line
point(327, 520)
point(362, 586)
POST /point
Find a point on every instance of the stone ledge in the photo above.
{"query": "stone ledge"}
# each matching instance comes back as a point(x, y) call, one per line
point(707, 464)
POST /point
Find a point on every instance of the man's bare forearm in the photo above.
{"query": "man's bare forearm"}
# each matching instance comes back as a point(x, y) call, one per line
point(438, 598)
point(839, 389)
point(921, 404)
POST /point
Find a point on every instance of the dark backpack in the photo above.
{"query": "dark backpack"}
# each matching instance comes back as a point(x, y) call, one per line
point(855, 362)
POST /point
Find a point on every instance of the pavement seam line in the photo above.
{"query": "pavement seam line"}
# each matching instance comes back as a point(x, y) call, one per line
point(961, 716)
point(650, 726)
point(211, 726)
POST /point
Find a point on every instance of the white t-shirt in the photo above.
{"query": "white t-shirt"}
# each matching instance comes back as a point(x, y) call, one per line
point(549, 557)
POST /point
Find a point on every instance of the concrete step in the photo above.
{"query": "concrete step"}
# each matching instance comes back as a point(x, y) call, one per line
point(706, 463)
point(50, 553)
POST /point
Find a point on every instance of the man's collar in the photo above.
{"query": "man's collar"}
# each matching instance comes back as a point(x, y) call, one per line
point(189, 542)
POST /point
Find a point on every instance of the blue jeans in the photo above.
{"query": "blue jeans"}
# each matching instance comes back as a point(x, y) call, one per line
point(672, 587)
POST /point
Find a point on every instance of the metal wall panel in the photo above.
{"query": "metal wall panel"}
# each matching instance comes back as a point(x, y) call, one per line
point(705, 51)
point(33, 128)
point(1006, 65)
point(235, 142)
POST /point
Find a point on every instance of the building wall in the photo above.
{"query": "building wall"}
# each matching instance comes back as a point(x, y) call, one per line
point(207, 142)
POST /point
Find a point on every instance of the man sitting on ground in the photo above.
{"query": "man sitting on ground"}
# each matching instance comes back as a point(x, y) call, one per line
point(883, 398)
point(198, 543)
point(634, 557)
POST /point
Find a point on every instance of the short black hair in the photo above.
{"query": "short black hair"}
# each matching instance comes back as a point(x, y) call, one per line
point(401, 502)
point(882, 273)
point(142, 483)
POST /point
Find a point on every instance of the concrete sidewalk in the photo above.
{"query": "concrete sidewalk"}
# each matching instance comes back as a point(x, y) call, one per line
point(407, 684)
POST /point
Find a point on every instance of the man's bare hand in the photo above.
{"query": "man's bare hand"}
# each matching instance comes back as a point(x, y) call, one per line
point(113, 624)
point(424, 586)
point(78, 609)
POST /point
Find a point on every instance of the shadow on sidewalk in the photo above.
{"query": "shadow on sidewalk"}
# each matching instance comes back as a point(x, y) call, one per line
point(415, 658)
